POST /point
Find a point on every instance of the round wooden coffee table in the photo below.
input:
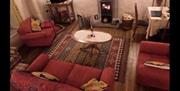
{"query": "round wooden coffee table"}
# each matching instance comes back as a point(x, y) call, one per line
point(92, 38)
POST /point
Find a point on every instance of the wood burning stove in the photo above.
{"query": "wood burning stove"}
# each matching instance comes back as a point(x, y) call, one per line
point(106, 11)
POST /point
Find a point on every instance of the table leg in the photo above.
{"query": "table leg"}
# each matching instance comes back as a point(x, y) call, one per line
point(91, 47)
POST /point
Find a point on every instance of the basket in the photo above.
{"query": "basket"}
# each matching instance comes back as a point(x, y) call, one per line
point(127, 21)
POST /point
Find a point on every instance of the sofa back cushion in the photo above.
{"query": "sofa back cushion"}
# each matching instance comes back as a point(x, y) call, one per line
point(81, 75)
point(155, 48)
point(39, 63)
point(107, 75)
point(25, 27)
point(58, 68)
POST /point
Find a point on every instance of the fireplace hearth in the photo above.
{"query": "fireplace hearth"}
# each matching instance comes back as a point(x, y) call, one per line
point(106, 11)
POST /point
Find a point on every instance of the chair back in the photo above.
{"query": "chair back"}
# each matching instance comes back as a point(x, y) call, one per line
point(137, 21)
point(84, 22)
point(136, 12)
point(159, 3)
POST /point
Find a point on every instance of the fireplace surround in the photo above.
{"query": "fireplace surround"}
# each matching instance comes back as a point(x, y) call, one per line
point(107, 15)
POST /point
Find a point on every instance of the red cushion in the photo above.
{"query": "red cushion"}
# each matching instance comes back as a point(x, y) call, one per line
point(66, 87)
point(109, 79)
point(59, 69)
point(39, 63)
point(157, 48)
point(82, 74)
point(151, 57)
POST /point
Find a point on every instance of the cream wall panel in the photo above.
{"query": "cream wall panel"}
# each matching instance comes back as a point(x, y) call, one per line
point(23, 9)
point(86, 7)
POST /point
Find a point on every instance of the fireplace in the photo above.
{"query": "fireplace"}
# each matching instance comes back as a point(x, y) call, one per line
point(106, 11)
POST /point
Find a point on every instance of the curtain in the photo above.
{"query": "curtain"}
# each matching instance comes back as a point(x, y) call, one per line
point(15, 17)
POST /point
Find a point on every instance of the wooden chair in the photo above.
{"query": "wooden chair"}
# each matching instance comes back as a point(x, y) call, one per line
point(84, 22)
point(159, 3)
point(138, 22)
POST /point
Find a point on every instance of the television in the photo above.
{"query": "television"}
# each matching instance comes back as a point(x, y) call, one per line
point(57, 1)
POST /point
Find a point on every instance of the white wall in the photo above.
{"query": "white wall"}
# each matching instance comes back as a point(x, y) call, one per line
point(24, 13)
point(34, 8)
point(87, 7)
point(124, 6)
point(42, 9)
point(37, 9)
point(23, 9)
point(127, 6)
point(13, 20)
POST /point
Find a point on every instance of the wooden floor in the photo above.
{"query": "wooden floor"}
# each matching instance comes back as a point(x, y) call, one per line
point(129, 84)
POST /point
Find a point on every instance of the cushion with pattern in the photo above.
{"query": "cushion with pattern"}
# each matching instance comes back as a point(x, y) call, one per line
point(45, 75)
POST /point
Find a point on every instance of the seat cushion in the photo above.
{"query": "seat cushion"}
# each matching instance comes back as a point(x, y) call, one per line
point(66, 87)
point(58, 68)
point(152, 76)
point(151, 57)
point(82, 74)
point(26, 82)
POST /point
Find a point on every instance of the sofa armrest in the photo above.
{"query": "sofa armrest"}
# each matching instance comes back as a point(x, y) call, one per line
point(157, 48)
point(39, 63)
point(25, 26)
point(49, 31)
point(33, 35)
point(107, 76)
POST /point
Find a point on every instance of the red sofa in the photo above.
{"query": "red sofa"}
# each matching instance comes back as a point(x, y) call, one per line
point(72, 76)
point(151, 76)
point(36, 39)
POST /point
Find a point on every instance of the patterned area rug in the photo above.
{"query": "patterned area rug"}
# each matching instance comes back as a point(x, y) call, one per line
point(114, 54)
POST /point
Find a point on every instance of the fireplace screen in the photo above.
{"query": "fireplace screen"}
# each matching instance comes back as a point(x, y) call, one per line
point(106, 6)
point(106, 11)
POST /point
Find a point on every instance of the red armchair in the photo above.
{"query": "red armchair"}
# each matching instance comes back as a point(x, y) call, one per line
point(151, 76)
point(72, 76)
point(36, 39)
